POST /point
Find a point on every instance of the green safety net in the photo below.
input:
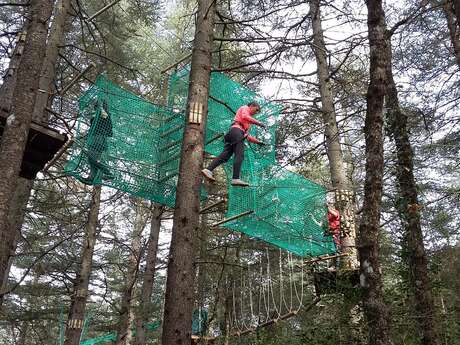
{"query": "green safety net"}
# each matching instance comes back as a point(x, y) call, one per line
point(112, 336)
point(200, 322)
point(128, 143)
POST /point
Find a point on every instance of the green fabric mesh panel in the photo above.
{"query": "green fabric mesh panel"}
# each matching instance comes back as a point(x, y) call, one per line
point(112, 336)
point(289, 210)
point(127, 143)
point(138, 151)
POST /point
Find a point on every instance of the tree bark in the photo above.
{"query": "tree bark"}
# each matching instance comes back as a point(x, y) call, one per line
point(145, 308)
point(22, 193)
point(456, 4)
point(24, 333)
point(125, 318)
point(375, 309)
point(9, 80)
point(57, 31)
point(180, 281)
point(14, 137)
point(24, 186)
point(16, 218)
point(454, 29)
point(78, 304)
point(409, 211)
point(344, 200)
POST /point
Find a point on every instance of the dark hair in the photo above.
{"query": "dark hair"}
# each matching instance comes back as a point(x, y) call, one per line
point(254, 104)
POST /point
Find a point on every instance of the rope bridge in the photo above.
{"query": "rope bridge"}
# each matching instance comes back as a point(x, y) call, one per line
point(128, 143)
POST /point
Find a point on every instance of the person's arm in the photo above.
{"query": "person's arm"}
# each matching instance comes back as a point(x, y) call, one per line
point(255, 140)
point(333, 211)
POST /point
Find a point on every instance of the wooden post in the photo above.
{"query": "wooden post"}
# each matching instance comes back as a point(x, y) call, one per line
point(226, 220)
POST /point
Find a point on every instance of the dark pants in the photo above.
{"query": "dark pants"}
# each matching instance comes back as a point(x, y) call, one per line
point(233, 144)
point(96, 148)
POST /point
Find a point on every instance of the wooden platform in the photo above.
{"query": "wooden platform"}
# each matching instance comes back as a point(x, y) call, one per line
point(202, 339)
point(42, 144)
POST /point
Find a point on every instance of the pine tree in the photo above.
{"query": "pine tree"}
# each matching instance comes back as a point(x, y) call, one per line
point(179, 294)
point(375, 308)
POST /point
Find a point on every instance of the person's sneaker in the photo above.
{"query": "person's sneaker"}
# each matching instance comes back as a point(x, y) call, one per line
point(238, 182)
point(208, 174)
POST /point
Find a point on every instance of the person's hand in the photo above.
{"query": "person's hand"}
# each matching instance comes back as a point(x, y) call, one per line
point(263, 125)
point(261, 143)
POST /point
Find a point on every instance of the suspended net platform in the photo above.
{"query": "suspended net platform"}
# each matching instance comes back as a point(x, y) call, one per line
point(128, 143)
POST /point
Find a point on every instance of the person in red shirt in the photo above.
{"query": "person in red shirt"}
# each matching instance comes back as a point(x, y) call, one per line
point(234, 143)
point(333, 217)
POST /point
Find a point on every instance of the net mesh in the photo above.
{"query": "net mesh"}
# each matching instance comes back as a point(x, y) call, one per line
point(128, 143)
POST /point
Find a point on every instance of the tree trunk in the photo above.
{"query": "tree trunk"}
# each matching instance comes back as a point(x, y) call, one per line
point(6, 99)
point(57, 31)
point(145, 308)
point(16, 218)
point(456, 4)
point(78, 304)
point(125, 319)
point(9, 80)
point(370, 275)
point(23, 334)
point(409, 211)
point(180, 282)
point(344, 200)
point(454, 29)
point(24, 186)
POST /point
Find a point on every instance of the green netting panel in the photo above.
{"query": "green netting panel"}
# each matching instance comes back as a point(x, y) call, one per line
point(288, 210)
point(130, 144)
point(200, 322)
point(226, 96)
point(127, 143)
point(112, 336)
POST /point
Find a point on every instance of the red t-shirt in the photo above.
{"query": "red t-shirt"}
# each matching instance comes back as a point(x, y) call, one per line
point(243, 120)
point(333, 217)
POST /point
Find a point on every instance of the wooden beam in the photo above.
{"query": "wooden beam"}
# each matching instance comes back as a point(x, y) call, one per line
point(48, 131)
point(324, 258)
point(42, 129)
point(232, 218)
point(212, 205)
point(197, 338)
point(74, 80)
point(58, 154)
point(102, 10)
point(176, 63)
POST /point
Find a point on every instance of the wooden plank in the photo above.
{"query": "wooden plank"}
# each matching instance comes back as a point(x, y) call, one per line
point(212, 206)
point(176, 63)
point(48, 131)
point(232, 218)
